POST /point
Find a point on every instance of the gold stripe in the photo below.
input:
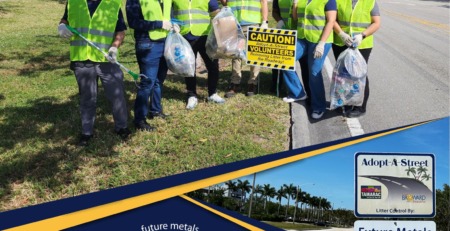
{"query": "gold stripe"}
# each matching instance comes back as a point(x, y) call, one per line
point(230, 218)
point(87, 215)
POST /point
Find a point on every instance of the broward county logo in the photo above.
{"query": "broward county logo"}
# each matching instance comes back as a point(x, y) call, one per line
point(414, 198)
point(370, 192)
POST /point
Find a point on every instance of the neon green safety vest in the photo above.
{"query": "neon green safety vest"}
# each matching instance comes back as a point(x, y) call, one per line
point(151, 10)
point(246, 10)
point(312, 20)
point(285, 13)
point(99, 29)
point(194, 16)
point(354, 21)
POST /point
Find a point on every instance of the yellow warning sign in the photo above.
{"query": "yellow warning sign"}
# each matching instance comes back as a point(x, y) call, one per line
point(272, 48)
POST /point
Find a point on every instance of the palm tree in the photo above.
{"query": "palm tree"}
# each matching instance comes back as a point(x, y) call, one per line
point(232, 187)
point(268, 191)
point(411, 170)
point(298, 197)
point(421, 170)
point(290, 193)
point(244, 187)
point(307, 202)
point(279, 195)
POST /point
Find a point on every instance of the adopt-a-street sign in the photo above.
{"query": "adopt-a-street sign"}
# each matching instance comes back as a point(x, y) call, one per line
point(394, 185)
point(272, 48)
point(373, 225)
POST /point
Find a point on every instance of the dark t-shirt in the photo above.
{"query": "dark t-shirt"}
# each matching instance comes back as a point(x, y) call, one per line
point(92, 6)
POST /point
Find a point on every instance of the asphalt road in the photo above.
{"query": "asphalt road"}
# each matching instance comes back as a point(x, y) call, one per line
point(408, 73)
point(398, 186)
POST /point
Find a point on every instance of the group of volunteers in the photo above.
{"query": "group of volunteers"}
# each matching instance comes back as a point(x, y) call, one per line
point(102, 22)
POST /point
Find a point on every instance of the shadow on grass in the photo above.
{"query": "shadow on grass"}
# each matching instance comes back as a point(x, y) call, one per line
point(45, 54)
point(37, 144)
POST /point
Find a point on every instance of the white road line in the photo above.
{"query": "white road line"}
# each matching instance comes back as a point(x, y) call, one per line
point(352, 123)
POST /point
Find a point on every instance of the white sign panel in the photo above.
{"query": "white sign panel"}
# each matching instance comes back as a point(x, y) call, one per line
point(394, 226)
point(394, 185)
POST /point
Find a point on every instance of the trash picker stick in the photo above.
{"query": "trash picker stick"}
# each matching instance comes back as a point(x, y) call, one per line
point(134, 75)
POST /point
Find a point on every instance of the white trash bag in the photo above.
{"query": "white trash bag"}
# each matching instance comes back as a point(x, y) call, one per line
point(349, 79)
point(179, 55)
point(226, 39)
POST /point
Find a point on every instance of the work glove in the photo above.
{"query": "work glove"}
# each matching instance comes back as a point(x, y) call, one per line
point(264, 25)
point(112, 55)
point(280, 24)
point(318, 51)
point(346, 38)
point(64, 32)
point(167, 25)
point(176, 28)
point(357, 40)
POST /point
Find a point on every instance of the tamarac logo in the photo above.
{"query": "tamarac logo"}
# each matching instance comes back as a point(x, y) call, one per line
point(370, 192)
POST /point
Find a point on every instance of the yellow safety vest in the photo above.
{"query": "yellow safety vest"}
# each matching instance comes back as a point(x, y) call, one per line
point(312, 20)
point(354, 21)
point(99, 28)
point(285, 13)
point(151, 10)
point(246, 10)
point(193, 15)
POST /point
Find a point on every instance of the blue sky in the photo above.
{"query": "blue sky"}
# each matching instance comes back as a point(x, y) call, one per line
point(331, 175)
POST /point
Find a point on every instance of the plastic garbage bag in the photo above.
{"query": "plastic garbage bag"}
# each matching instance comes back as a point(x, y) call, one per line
point(348, 80)
point(226, 39)
point(179, 55)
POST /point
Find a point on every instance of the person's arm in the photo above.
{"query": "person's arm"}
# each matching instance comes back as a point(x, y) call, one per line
point(374, 26)
point(264, 10)
point(136, 19)
point(331, 19)
point(213, 8)
point(118, 38)
point(276, 11)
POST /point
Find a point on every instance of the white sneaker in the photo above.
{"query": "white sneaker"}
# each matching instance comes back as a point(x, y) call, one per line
point(317, 114)
point(216, 99)
point(192, 103)
point(290, 100)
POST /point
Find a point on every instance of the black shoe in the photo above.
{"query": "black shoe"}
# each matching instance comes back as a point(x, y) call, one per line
point(251, 90)
point(124, 133)
point(232, 90)
point(144, 126)
point(84, 140)
point(356, 112)
point(157, 114)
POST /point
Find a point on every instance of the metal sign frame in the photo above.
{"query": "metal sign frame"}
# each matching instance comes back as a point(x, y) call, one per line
point(395, 185)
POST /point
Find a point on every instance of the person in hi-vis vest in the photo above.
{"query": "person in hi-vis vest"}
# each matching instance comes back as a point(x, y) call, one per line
point(249, 13)
point(102, 23)
point(195, 17)
point(282, 13)
point(357, 21)
point(315, 20)
point(150, 20)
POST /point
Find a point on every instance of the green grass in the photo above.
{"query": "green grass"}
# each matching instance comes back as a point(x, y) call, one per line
point(40, 122)
point(296, 226)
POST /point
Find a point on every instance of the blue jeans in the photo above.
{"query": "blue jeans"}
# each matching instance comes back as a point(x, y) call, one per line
point(150, 57)
point(318, 100)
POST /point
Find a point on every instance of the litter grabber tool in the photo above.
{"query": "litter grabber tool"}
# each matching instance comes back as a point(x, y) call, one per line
point(134, 75)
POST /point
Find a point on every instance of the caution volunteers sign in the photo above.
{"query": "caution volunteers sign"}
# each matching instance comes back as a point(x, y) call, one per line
point(272, 48)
